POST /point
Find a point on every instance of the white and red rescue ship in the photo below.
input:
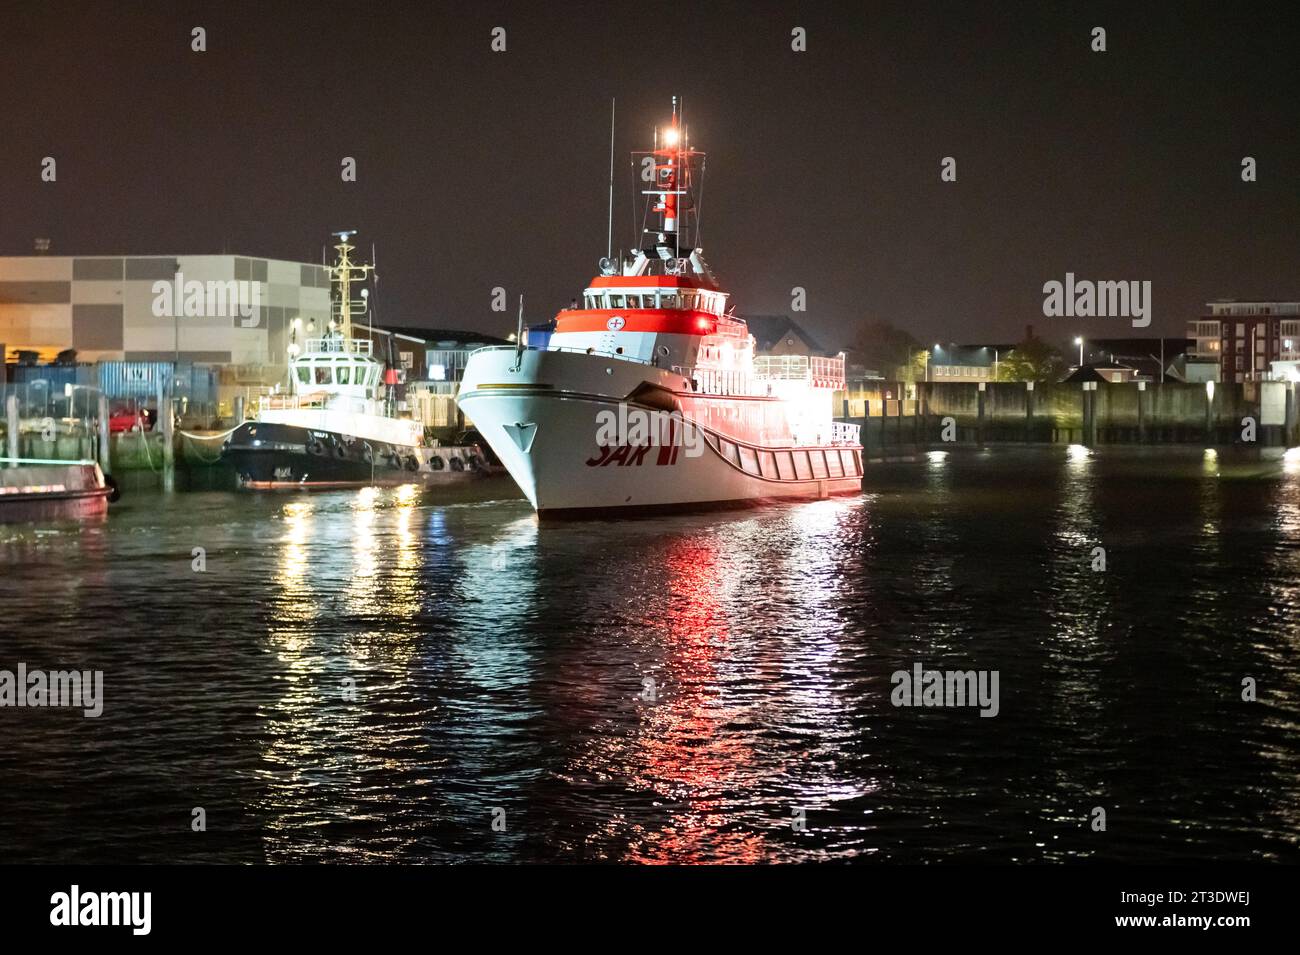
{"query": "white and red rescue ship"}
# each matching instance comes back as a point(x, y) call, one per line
point(649, 396)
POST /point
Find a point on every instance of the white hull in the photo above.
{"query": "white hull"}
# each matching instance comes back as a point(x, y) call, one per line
point(541, 420)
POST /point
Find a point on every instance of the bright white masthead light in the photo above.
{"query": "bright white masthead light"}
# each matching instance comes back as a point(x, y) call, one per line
point(670, 136)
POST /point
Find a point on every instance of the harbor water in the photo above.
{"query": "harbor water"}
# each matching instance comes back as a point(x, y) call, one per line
point(402, 676)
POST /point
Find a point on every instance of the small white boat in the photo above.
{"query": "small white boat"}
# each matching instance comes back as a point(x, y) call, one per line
point(47, 490)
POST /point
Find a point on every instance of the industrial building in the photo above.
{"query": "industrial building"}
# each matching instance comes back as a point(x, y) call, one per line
point(211, 309)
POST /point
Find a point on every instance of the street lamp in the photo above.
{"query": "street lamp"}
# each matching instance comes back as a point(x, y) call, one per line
point(1078, 340)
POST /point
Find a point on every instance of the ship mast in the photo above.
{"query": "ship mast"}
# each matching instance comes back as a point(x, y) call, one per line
point(671, 196)
point(668, 169)
point(344, 271)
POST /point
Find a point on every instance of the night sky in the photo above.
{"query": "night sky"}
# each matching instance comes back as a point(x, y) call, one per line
point(479, 169)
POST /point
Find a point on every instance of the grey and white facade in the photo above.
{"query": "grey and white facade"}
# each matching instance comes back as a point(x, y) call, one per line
point(107, 307)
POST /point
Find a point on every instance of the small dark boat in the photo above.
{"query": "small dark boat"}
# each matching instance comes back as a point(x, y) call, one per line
point(273, 456)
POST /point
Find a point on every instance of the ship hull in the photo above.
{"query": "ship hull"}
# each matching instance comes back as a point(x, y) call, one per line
point(549, 437)
point(53, 492)
point(279, 457)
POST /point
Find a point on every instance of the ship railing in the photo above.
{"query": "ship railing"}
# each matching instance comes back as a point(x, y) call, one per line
point(600, 353)
point(729, 327)
point(292, 402)
point(722, 381)
point(845, 432)
point(818, 371)
point(355, 346)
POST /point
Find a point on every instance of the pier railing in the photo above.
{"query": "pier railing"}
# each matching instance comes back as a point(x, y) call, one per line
point(954, 414)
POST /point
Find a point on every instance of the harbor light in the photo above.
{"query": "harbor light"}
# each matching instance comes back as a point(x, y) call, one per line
point(670, 136)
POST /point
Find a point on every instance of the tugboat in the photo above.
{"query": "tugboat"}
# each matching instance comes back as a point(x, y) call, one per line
point(649, 397)
point(335, 428)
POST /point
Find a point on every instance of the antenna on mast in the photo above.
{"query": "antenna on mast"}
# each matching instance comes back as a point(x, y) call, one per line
point(609, 237)
point(519, 334)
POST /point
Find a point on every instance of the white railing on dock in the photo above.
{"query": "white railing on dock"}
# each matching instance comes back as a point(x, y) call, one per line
point(844, 432)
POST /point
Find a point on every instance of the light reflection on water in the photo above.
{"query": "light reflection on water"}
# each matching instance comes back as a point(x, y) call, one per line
point(371, 676)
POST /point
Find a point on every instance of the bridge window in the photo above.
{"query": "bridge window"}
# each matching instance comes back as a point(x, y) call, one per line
point(344, 374)
point(304, 374)
point(323, 376)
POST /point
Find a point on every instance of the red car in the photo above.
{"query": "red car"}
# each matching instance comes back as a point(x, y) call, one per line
point(125, 419)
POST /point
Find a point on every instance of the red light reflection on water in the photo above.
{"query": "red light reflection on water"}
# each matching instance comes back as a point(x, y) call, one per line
point(683, 753)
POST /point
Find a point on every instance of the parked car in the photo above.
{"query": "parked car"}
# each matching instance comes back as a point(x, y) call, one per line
point(126, 419)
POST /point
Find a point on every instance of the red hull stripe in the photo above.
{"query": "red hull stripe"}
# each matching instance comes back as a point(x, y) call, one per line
point(671, 321)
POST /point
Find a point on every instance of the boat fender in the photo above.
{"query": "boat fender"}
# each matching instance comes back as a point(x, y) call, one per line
point(457, 464)
point(340, 451)
point(367, 454)
point(411, 463)
point(436, 463)
point(316, 447)
point(114, 495)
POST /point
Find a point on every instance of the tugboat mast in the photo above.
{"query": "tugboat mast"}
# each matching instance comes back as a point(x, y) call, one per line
point(344, 271)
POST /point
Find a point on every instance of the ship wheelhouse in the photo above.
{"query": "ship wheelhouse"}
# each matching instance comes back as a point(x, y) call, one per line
point(333, 366)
